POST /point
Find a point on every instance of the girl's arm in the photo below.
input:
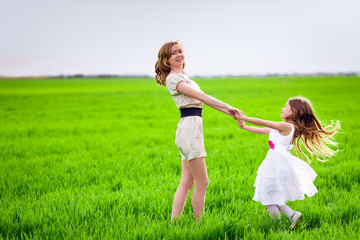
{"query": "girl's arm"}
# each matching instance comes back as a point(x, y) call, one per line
point(190, 91)
point(283, 127)
point(252, 129)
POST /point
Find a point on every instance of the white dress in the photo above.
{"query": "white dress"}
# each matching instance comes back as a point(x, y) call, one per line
point(189, 133)
point(283, 177)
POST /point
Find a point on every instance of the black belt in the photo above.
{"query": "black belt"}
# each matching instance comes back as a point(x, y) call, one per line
point(191, 111)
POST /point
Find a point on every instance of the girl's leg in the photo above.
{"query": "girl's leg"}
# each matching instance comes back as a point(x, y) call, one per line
point(293, 216)
point(186, 184)
point(273, 211)
point(198, 170)
point(286, 210)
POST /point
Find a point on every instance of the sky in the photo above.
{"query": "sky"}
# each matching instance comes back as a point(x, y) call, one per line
point(227, 37)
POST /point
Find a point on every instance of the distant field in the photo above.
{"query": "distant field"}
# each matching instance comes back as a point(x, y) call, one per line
point(96, 159)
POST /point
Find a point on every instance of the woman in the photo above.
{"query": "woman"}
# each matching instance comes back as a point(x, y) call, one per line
point(189, 139)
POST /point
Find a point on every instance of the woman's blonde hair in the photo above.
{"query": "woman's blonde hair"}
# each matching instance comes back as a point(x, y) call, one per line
point(316, 139)
point(162, 67)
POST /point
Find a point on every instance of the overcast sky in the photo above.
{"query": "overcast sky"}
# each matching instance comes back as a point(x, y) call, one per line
point(44, 37)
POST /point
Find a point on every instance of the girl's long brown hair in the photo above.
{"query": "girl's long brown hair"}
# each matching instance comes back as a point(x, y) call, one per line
point(162, 67)
point(316, 139)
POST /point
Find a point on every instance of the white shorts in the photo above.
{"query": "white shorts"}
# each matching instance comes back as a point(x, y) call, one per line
point(190, 138)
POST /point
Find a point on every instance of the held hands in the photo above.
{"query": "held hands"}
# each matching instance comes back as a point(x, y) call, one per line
point(237, 115)
point(239, 118)
point(234, 111)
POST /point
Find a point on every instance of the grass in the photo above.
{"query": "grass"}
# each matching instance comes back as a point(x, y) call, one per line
point(96, 159)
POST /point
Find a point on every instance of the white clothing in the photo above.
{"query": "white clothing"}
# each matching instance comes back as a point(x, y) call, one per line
point(283, 177)
point(182, 100)
point(189, 133)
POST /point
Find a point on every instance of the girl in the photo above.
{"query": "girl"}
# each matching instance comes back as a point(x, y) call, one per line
point(283, 177)
point(189, 139)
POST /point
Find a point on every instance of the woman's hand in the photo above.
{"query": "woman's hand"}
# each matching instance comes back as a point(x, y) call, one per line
point(234, 111)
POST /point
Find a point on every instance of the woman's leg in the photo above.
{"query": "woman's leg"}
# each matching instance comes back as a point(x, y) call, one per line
point(186, 184)
point(198, 170)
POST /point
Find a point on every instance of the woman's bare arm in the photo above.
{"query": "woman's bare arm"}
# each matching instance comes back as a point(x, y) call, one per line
point(223, 110)
point(190, 91)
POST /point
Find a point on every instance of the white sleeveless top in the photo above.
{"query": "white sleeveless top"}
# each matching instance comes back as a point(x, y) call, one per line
point(281, 142)
point(181, 100)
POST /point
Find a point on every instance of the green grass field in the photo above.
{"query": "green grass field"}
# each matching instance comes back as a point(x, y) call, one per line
point(96, 159)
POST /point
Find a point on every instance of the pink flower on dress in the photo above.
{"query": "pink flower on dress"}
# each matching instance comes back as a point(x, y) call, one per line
point(271, 144)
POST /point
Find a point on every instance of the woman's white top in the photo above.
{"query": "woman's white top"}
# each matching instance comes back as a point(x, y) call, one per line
point(181, 100)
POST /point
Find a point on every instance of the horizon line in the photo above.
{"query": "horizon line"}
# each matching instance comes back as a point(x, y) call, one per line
point(340, 73)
